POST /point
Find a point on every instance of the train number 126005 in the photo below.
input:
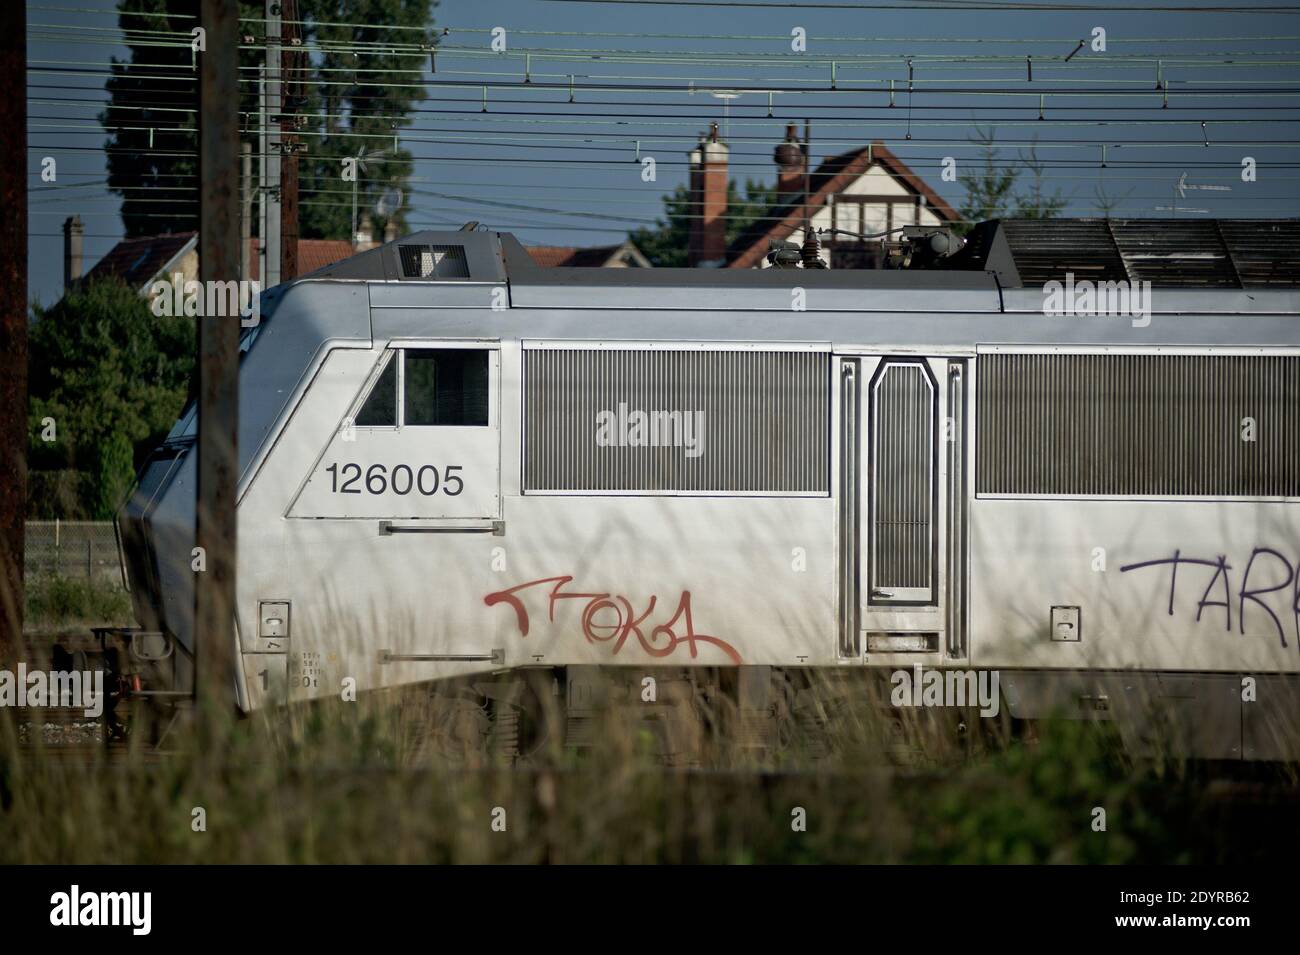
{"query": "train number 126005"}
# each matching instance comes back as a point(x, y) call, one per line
point(402, 480)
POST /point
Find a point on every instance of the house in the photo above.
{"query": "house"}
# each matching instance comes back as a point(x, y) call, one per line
point(143, 260)
point(625, 255)
point(137, 262)
point(864, 191)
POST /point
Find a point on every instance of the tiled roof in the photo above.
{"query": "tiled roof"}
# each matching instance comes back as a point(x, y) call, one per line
point(552, 256)
point(136, 261)
point(565, 256)
point(589, 257)
point(833, 176)
point(313, 254)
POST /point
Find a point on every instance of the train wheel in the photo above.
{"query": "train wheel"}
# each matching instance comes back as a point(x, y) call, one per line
point(454, 728)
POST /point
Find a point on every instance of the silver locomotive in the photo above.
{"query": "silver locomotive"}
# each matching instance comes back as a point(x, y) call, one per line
point(1067, 455)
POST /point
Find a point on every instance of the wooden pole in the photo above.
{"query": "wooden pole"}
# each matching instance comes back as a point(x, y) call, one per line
point(245, 211)
point(270, 182)
point(13, 323)
point(292, 54)
point(218, 364)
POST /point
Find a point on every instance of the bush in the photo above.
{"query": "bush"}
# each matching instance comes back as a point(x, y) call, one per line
point(63, 601)
point(63, 494)
point(106, 381)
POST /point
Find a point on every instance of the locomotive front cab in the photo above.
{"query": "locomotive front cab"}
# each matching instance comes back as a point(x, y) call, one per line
point(299, 325)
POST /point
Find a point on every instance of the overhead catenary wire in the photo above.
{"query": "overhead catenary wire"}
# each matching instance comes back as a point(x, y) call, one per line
point(455, 125)
point(100, 11)
point(960, 5)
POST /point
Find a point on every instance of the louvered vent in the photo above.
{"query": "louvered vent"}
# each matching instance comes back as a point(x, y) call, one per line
point(1168, 253)
point(1154, 425)
point(652, 421)
point(1046, 249)
point(1173, 253)
point(433, 262)
point(1265, 253)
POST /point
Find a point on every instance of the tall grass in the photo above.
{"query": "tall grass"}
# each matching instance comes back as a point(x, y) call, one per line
point(339, 782)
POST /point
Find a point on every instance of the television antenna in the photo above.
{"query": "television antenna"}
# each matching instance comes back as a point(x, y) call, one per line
point(726, 96)
point(388, 203)
point(1181, 188)
point(361, 159)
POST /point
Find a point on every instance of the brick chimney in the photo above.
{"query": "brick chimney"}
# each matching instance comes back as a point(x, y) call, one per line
point(73, 231)
point(790, 164)
point(708, 239)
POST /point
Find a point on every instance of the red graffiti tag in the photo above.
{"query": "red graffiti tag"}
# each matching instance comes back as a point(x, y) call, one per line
point(610, 618)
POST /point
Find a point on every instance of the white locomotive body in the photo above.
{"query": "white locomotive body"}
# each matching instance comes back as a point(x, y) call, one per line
point(454, 462)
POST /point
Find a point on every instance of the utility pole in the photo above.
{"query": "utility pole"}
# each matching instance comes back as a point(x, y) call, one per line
point(13, 324)
point(245, 211)
point(271, 149)
point(218, 358)
point(261, 174)
point(289, 126)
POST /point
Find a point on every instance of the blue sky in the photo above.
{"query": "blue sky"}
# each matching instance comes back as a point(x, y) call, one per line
point(559, 173)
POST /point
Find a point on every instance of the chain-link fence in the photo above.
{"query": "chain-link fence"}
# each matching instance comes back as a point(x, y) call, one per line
point(84, 550)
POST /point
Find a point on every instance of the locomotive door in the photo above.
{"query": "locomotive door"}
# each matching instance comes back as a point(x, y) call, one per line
point(902, 507)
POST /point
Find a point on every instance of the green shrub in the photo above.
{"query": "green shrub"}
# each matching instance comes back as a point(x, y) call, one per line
point(53, 602)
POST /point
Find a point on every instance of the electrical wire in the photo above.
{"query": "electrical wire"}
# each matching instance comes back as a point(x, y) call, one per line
point(459, 109)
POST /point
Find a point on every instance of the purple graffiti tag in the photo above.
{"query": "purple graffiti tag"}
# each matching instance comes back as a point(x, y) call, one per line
point(1251, 594)
point(1221, 571)
point(1173, 563)
point(1245, 593)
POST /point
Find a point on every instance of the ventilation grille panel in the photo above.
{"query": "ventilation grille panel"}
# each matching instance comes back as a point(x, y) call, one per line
point(1265, 253)
point(1149, 425)
point(1045, 249)
point(1175, 253)
point(433, 262)
point(1168, 253)
point(658, 421)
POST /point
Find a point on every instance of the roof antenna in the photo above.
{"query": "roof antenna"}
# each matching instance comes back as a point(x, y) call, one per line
point(811, 246)
point(469, 226)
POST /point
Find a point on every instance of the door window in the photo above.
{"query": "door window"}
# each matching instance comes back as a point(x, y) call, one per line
point(903, 483)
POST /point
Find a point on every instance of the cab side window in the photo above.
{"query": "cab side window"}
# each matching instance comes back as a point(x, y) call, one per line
point(431, 387)
point(446, 387)
point(380, 408)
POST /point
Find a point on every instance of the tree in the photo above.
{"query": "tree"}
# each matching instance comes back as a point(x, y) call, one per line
point(151, 143)
point(360, 99)
point(992, 192)
point(1107, 203)
point(359, 92)
point(115, 472)
point(111, 378)
point(666, 244)
point(1037, 203)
